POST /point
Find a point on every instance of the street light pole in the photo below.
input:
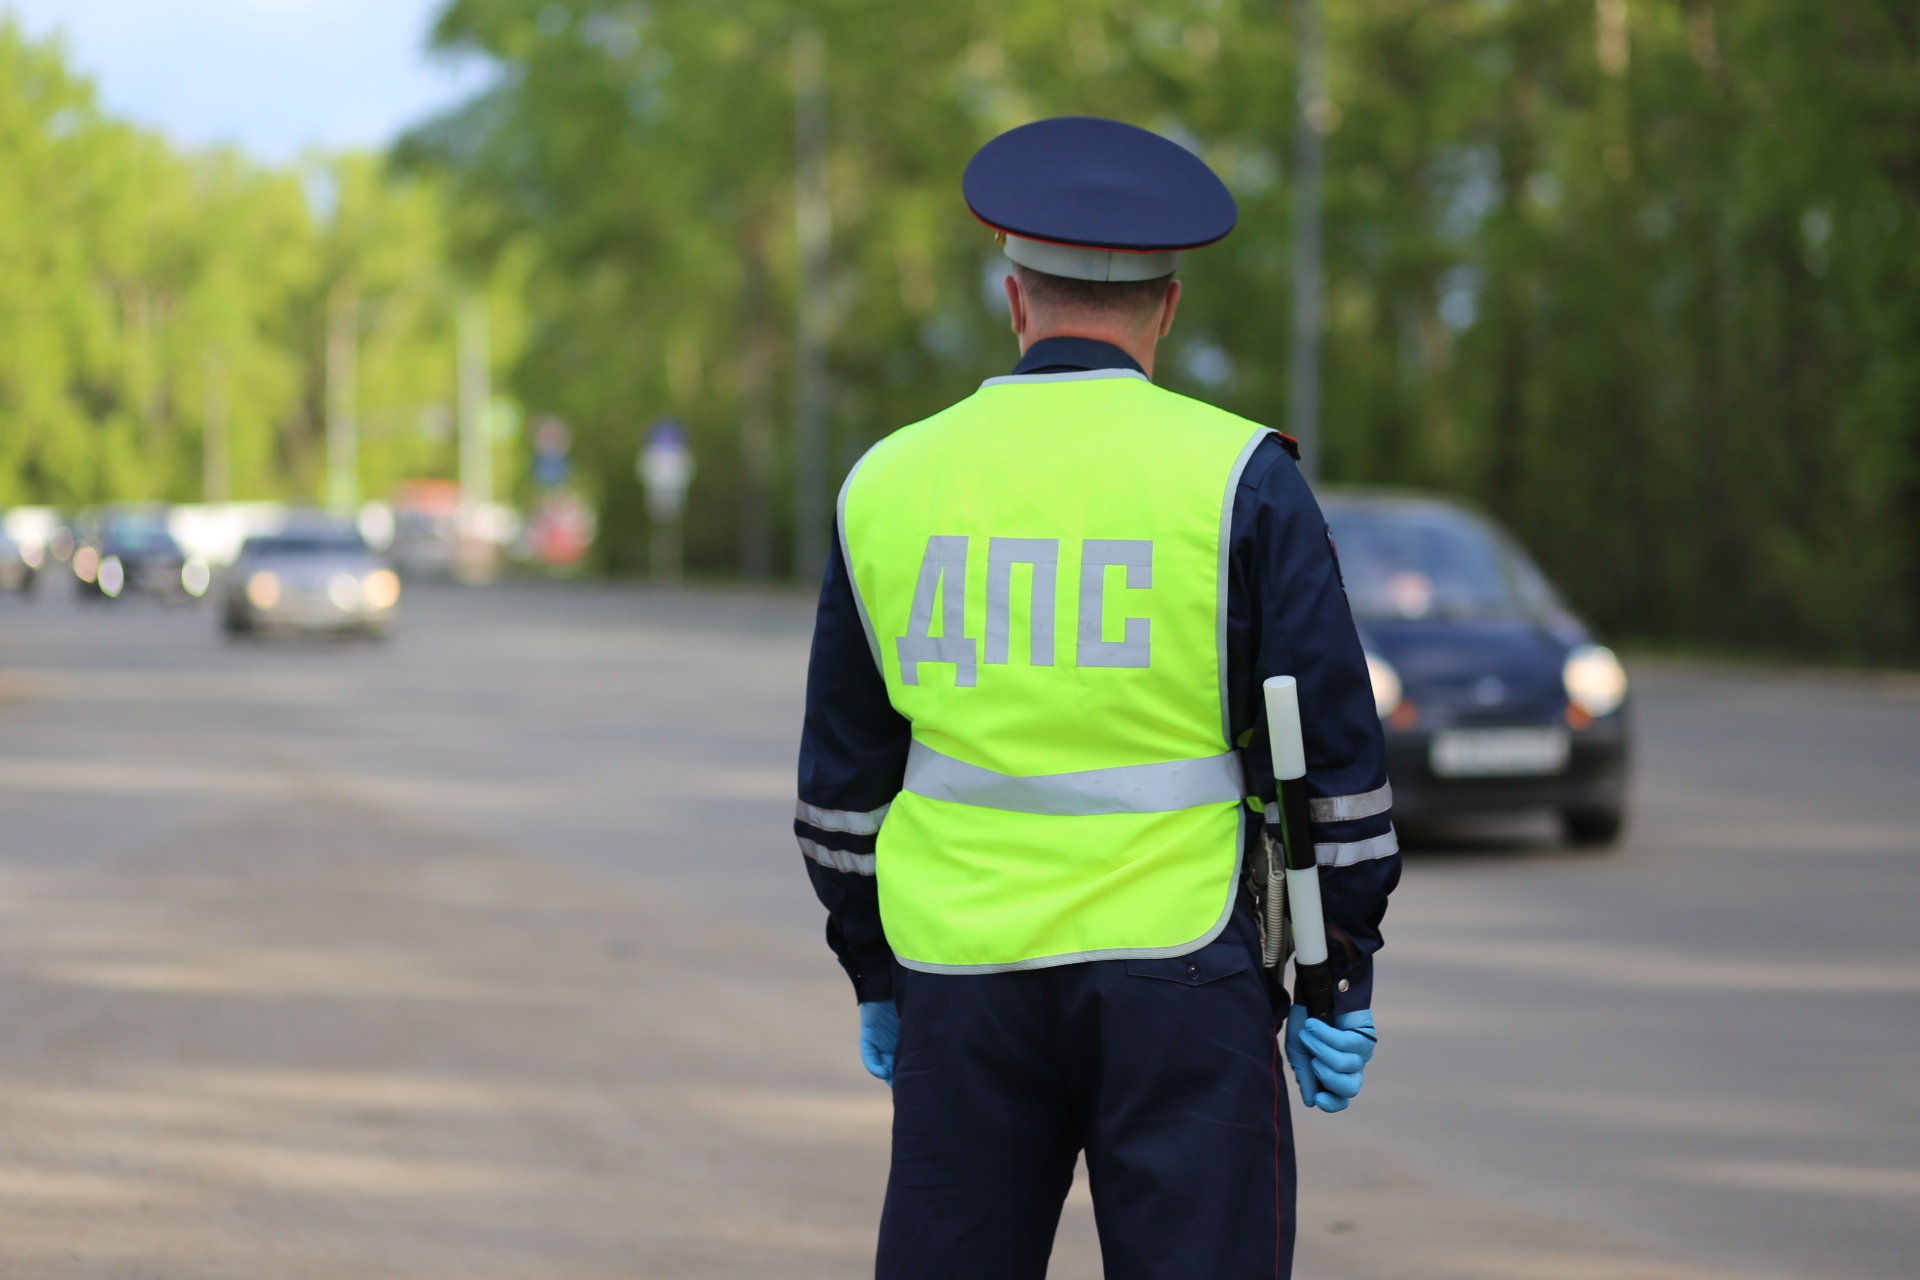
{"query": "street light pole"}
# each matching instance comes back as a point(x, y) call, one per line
point(812, 232)
point(216, 461)
point(756, 411)
point(343, 375)
point(474, 547)
point(475, 395)
point(1312, 117)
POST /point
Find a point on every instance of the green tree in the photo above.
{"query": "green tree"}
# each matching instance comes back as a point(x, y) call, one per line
point(1638, 275)
point(158, 307)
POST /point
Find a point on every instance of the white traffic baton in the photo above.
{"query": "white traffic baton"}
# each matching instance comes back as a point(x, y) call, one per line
point(1300, 868)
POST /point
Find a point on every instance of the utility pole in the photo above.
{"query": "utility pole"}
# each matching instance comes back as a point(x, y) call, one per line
point(475, 547)
point(812, 232)
point(756, 412)
point(1313, 116)
point(475, 401)
point(343, 375)
point(216, 462)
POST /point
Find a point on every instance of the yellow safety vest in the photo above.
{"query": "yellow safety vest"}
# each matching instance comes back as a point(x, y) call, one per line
point(1042, 573)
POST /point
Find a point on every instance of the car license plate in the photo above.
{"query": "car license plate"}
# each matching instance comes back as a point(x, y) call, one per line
point(1499, 753)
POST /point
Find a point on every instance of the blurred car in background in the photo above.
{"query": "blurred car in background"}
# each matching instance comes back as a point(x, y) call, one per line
point(29, 537)
point(1494, 696)
point(14, 570)
point(434, 533)
point(16, 574)
point(425, 527)
point(122, 550)
point(314, 576)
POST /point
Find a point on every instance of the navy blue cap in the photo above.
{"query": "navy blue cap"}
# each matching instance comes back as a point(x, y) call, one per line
point(1086, 183)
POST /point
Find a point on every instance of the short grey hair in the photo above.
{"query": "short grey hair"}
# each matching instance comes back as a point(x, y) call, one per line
point(1137, 299)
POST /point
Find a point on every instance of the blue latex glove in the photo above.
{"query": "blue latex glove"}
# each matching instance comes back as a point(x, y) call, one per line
point(879, 1037)
point(1329, 1061)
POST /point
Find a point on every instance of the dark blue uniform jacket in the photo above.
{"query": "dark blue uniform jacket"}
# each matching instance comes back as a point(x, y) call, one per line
point(1287, 614)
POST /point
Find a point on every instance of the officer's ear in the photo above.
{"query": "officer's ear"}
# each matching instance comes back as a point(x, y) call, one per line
point(1168, 307)
point(1017, 309)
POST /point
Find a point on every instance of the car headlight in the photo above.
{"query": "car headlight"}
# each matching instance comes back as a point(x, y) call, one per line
point(196, 577)
point(380, 589)
point(263, 589)
point(113, 576)
point(344, 590)
point(1596, 682)
point(86, 564)
point(1386, 685)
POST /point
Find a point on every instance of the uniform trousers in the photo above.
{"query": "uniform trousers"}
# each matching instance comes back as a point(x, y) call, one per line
point(1165, 1072)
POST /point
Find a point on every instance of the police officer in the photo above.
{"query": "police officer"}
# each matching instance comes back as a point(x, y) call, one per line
point(1034, 761)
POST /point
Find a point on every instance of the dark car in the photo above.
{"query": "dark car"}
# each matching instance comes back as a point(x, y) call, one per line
point(18, 565)
point(314, 576)
point(126, 549)
point(1494, 697)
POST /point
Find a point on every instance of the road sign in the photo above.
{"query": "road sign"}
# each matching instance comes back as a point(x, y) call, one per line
point(666, 469)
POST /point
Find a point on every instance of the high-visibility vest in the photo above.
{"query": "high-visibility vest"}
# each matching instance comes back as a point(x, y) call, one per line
point(1042, 573)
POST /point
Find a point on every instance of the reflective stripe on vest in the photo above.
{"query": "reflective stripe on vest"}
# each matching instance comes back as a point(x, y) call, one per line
point(1041, 572)
point(1130, 788)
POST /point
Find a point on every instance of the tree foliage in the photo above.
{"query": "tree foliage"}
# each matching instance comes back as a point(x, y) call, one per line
point(1638, 275)
point(146, 291)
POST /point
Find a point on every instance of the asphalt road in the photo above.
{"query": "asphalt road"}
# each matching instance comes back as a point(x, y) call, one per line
point(486, 952)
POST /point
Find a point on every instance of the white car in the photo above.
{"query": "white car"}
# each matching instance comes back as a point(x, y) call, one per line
point(318, 579)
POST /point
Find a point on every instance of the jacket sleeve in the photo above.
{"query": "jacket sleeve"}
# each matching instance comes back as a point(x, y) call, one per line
point(853, 756)
point(1288, 615)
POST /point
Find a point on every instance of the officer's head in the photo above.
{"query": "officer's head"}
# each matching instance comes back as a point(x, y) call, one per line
point(1047, 306)
point(1094, 215)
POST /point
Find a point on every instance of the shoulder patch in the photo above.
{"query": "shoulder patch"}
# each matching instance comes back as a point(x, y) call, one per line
point(1291, 445)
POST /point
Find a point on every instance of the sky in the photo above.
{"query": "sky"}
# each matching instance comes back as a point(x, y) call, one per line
point(272, 76)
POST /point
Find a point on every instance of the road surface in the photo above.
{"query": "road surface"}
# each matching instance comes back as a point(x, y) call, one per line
point(486, 952)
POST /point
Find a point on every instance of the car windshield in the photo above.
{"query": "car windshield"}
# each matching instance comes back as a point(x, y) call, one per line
point(329, 543)
point(138, 533)
point(1422, 561)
